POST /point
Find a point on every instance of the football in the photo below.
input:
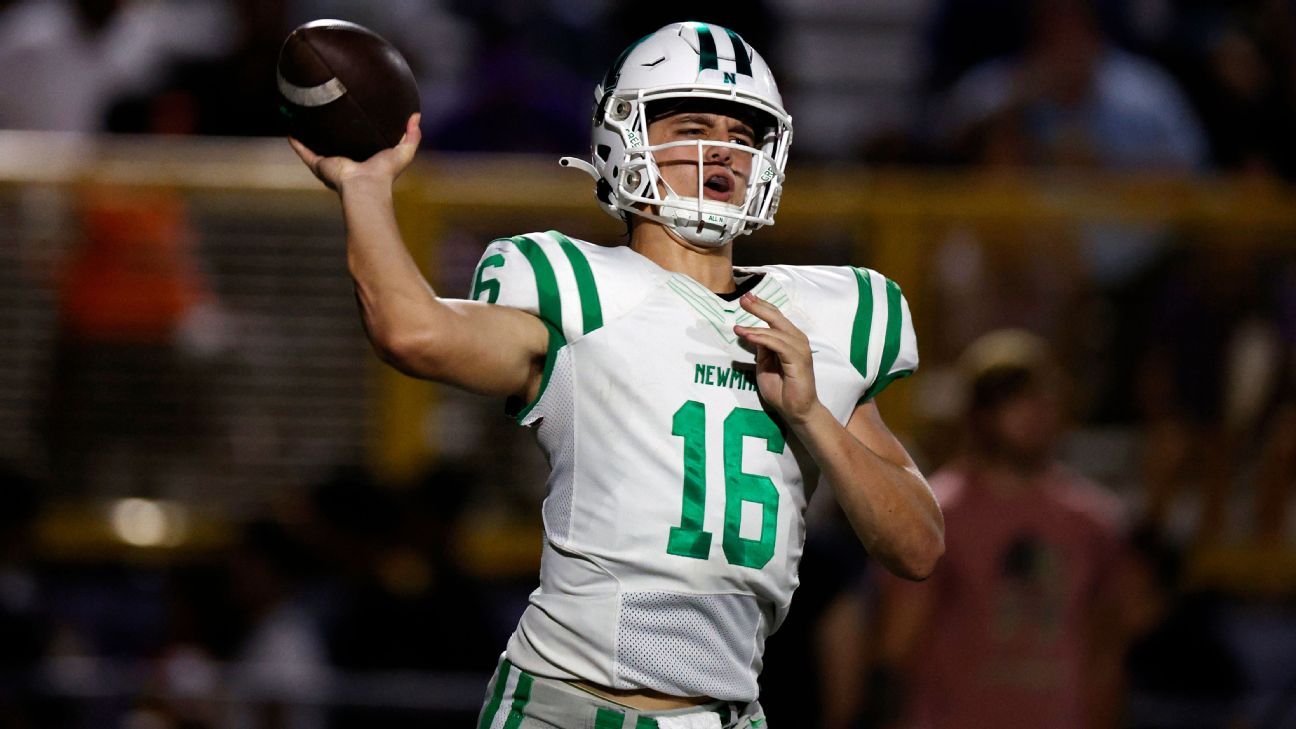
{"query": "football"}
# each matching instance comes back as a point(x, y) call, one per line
point(343, 89)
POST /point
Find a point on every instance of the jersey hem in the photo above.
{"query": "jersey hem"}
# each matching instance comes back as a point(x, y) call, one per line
point(882, 384)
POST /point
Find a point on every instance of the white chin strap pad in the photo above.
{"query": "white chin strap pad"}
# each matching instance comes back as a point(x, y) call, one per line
point(718, 222)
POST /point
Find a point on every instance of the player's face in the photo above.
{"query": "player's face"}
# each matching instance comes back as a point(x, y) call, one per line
point(725, 170)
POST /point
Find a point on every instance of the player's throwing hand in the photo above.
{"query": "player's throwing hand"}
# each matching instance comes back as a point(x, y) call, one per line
point(386, 165)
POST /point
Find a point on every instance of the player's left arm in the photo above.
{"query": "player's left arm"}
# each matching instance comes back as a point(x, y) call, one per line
point(885, 496)
point(883, 493)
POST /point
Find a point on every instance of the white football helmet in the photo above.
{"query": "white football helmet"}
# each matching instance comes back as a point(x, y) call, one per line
point(686, 62)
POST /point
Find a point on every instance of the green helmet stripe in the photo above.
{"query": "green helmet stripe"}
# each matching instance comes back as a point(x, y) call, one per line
point(740, 54)
point(707, 48)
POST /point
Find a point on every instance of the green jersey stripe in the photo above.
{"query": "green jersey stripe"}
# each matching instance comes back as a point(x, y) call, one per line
point(863, 325)
point(707, 48)
point(646, 722)
point(704, 307)
point(497, 696)
point(882, 383)
point(521, 695)
point(746, 317)
point(546, 282)
point(700, 293)
point(895, 316)
point(591, 309)
point(556, 342)
point(704, 303)
point(705, 298)
point(764, 285)
point(778, 300)
point(608, 719)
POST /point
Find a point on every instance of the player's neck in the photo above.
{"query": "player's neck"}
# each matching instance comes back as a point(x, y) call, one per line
point(711, 267)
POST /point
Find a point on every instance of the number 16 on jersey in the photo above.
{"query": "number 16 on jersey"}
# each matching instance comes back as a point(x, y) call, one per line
point(689, 539)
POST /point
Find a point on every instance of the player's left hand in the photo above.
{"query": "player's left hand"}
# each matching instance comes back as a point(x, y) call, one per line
point(784, 364)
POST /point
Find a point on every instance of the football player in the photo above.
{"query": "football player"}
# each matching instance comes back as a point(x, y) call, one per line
point(687, 407)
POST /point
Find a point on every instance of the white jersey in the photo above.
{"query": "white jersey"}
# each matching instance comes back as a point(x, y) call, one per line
point(674, 519)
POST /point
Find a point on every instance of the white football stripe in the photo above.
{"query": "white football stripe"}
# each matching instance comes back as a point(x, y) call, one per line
point(325, 93)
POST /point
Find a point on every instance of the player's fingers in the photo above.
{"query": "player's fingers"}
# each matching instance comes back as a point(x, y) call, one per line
point(412, 130)
point(793, 342)
point(409, 144)
point(310, 158)
point(404, 155)
point(768, 313)
point(787, 347)
point(315, 162)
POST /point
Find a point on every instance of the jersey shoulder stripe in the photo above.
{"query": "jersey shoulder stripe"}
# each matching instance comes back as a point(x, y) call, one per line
point(586, 288)
point(863, 314)
point(573, 286)
point(546, 274)
point(549, 302)
point(883, 345)
point(862, 327)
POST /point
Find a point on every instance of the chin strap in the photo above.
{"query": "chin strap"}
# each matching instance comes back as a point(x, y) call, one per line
point(672, 232)
point(593, 171)
point(581, 165)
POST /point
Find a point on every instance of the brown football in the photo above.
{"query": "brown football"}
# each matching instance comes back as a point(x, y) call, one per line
point(343, 89)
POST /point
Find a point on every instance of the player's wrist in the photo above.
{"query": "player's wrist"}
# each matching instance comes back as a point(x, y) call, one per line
point(814, 416)
point(364, 184)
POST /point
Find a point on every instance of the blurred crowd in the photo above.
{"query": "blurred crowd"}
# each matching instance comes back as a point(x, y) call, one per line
point(358, 602)
point(492, 76)
point(1168, 85)
point(329, 611)
point(1063, 602)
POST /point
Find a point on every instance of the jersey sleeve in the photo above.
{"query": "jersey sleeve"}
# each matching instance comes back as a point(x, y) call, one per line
point(514, 272)
point(505, 276)
point(864, 316)
point(545, 274)
point(883, 346)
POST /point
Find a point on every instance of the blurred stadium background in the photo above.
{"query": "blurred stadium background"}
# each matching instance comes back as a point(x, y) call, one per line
point(221, 511)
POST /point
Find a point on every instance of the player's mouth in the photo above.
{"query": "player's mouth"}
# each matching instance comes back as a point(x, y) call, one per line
point(718, 186)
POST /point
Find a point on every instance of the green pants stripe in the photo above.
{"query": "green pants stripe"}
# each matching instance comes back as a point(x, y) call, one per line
point(516, 699)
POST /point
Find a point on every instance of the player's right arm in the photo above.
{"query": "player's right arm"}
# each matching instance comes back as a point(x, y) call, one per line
point(492, 350)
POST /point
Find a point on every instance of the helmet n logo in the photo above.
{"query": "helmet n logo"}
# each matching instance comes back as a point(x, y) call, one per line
point(709, 59)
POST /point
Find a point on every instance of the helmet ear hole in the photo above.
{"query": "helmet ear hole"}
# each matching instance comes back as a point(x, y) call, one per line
point(618, 109)
point(633, 182)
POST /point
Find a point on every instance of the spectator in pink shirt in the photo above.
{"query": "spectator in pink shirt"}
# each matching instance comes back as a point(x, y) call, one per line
point(1019, 626)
